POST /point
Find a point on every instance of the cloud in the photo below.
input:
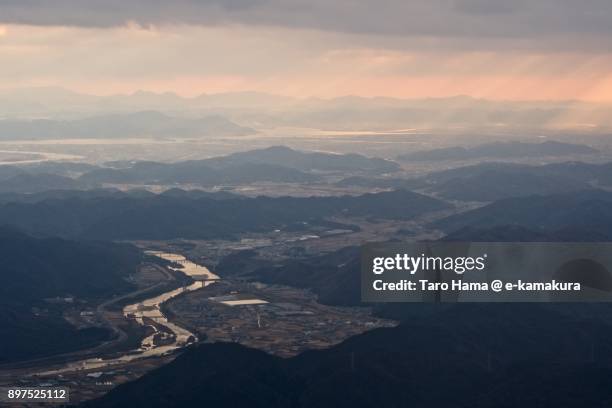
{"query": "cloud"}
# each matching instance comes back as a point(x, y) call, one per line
point(195, 59)
point(487, 48)
point(446, 18)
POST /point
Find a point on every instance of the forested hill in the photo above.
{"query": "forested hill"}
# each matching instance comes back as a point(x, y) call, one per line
point(167, 216)
point(35, 272)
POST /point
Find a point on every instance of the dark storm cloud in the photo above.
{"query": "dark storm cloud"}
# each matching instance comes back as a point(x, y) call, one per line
point(469, 18)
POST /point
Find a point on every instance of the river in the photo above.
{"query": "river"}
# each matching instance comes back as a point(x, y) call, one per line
point(150, 310)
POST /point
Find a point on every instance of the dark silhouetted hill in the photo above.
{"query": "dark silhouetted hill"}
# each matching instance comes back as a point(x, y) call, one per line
point(334, 277)
point(500, 150)
point(306, 161)
point(371, 182)
point(517, 233)
point(588, 210)
point(495, 181)
point(273, 164)
point(35, 270)
point(35, 183)
point(196, 172)
point(173, 216)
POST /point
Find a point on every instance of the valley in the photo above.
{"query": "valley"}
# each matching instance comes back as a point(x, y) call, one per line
point(229, 252)
point(306, 204)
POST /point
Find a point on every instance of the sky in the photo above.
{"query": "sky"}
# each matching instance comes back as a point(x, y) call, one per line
point(494, 49)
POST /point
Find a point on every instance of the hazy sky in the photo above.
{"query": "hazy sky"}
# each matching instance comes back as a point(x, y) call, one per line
point(501, 49)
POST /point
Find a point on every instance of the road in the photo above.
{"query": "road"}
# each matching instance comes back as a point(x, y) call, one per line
point(143, 312)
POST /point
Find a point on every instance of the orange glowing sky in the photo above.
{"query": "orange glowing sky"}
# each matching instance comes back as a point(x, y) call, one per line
point(302, 62)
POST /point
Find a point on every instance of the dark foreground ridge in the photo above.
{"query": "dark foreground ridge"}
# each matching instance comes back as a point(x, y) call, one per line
point(443, 356)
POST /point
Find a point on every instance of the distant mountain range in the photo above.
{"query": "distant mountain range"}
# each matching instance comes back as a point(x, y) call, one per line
point(273, 164)
point(348, 112)
point(482, 182)
point(276, 164)
point(124, 125)
point(500, 150)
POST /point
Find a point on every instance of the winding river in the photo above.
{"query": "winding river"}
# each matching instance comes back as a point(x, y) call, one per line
point(148, 312)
